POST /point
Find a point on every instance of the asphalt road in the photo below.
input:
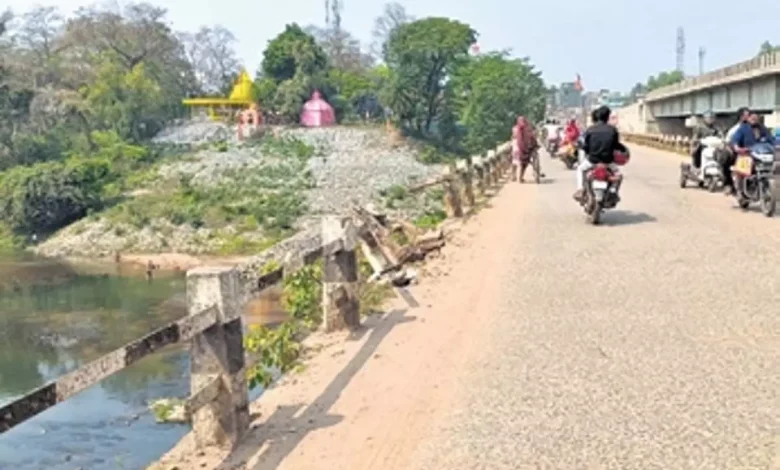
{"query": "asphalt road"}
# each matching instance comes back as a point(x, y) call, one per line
point(649, 342)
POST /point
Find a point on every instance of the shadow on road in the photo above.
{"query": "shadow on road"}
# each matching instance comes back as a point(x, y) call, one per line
point(627, 218)
point(287, 427)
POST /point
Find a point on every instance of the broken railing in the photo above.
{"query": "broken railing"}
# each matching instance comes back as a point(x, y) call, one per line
point(218, 401)
point(217, 406)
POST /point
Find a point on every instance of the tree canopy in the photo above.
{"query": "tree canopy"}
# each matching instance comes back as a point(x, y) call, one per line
point(664, 79)
point(82, 94)
point(422, 55)
point(767, 48)
point(491, 91)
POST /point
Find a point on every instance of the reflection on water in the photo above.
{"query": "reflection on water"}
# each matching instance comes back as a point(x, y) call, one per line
point(55, 317)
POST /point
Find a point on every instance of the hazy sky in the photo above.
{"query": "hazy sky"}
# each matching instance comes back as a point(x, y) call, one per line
point(609, 42)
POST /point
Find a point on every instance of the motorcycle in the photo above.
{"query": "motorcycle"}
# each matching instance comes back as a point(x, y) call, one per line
point(754, 178)
point(569, 155)
point(552, 147)
point(601, 188)
point(710, 174)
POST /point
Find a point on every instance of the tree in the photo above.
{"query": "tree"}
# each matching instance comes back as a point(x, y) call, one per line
point(490, 91)
point(767, 48)
point(341, 48)
point(638, 90)
point(393, 16)
point(213, 57)
point(35, 40)
point(421, 56)
point(664, 79)
point(292, 51)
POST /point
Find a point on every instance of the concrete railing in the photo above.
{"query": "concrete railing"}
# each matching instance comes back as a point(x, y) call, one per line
point(671, 143)
point(764, 63)
point(218, 403)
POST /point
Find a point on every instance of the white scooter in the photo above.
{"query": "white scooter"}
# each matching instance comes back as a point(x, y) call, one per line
point(710, 174)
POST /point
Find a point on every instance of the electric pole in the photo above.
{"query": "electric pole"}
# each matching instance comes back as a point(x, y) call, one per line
point(702, 53)
point(680, 49)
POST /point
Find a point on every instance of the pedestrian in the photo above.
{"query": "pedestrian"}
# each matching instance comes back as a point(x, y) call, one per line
point(524, 144)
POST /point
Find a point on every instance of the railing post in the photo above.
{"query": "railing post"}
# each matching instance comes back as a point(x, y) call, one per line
point(488, 168)
point(218, 354)
point(340, 303)
point(451, 198)
point(481, 177)
point(468, 184)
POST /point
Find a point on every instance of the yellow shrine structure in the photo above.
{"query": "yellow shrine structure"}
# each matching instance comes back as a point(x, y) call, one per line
point(241, 98)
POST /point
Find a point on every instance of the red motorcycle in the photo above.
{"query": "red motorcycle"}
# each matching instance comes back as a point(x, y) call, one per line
point(602, 186)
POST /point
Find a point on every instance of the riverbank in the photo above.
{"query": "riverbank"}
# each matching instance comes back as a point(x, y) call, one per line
point(228, 200)
point(359, 379)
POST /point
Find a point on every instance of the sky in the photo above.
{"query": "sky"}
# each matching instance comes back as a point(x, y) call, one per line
point(608, 42)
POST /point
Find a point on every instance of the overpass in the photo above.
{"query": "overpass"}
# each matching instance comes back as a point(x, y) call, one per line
point(754, 83)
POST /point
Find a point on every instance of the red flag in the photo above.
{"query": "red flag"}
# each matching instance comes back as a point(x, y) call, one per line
point(475, 48)
point(578, 83)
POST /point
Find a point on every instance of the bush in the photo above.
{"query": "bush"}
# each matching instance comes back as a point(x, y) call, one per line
point(47, 196)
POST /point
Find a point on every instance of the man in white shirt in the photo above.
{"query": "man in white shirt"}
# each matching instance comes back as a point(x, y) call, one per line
point(553, 132)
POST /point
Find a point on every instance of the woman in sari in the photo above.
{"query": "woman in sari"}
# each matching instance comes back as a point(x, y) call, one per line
point(524, 144)
point(572, 132)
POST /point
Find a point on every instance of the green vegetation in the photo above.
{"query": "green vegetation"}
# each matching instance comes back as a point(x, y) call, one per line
point(431, 219)
point(81, 96)
point(278, 349)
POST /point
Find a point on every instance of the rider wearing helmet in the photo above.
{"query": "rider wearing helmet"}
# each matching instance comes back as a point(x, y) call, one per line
point(600, 143)
point(706, 128)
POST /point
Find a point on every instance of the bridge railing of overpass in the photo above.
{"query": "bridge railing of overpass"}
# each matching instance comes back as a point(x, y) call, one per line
point(768, 61)
point(217, 407)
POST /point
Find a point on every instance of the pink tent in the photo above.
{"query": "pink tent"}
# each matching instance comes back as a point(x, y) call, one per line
point(317, 112)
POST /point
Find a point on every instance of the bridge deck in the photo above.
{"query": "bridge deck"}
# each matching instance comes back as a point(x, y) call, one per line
point(541, 342)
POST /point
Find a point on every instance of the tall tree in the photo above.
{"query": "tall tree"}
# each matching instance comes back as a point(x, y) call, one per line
point(393, 16)
point(342, 49)
point(35, 39)
point(422, 55)
point(291, 51)
point(211, 51)
point(490, 91)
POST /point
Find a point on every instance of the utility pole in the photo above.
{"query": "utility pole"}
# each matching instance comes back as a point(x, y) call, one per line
point(680, 49)
point(327, 13)
point(702, 53)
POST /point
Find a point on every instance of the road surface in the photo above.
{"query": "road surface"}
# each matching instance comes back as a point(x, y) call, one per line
point(650, 342)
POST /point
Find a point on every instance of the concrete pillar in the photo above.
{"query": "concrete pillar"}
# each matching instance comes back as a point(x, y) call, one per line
point(218, 354)
point(340, 303)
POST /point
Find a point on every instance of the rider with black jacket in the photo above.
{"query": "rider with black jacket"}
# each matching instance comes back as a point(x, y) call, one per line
point(600, 143)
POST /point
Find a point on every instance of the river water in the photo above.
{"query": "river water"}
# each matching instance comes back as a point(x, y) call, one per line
point(56, 316)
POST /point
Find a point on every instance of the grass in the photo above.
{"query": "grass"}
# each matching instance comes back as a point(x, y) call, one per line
point(265, 200)
point(431, 219)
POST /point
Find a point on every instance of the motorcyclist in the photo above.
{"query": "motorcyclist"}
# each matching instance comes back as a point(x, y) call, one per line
point(706, 128)
point(731, 157)
point(570, 136)
point(553, 132)
point(600, 143)
point(572, 132)
point(750, 133)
